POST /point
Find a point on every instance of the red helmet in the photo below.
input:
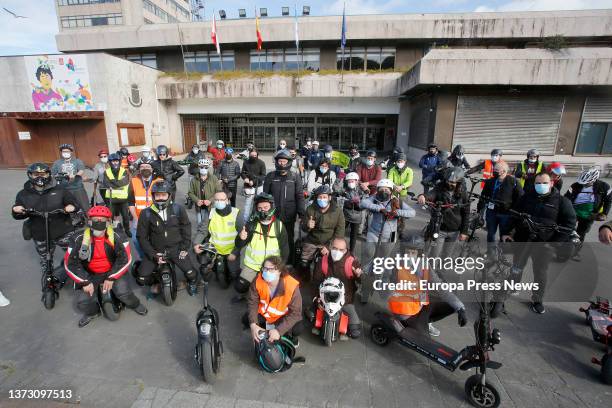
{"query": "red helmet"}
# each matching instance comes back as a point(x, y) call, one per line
point(103, 151)
point(99, 211)
point(131, 158)
point(556, 168)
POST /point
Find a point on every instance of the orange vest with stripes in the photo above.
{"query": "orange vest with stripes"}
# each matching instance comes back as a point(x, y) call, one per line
point(409, 302)
point(142, 195)
point(275, 308)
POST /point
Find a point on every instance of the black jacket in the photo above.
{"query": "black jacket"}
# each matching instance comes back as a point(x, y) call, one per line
point(453, 219)
point(169, 170)
point(254, 170)
point(601, 190)
point(193, 159)
point(230, 171)
point(459, 162)
point(288, 194)
point(544, 209)
point(155, 235)
point(508, 193)
point(49, 199)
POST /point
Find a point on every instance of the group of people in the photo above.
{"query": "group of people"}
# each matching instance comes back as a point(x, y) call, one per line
point(331, 206)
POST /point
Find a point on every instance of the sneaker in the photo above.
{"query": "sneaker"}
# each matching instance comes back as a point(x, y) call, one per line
point(141, 309)
point(192, 288)
point(86, 319)
point(315, 331)
point(4, 301)
point(537, 307)
point(343, 337)
point(433, 331)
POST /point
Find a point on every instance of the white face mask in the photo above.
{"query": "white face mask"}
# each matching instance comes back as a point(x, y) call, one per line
point(66, 155)
point(283, 145)
point(104, 159)
point(195, 151)
point(495, 158)
point(400, 165)
point(351, 184)
point(203, 172)
point(336, 254)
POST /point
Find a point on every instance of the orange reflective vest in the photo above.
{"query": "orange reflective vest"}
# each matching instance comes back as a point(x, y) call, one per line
point(409, 302)
point(142, 194)
point(274, 309)
point(487, 172)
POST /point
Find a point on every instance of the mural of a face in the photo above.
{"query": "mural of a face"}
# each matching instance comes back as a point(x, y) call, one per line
point(46, 81)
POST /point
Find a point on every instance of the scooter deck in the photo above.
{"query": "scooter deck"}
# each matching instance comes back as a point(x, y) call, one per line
point(423, 344)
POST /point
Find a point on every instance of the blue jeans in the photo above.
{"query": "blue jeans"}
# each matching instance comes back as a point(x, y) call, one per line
point(495, 220)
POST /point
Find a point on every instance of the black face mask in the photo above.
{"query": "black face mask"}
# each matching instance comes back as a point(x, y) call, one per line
point(98, 225)
point(146, 173)
point(383, 196)
point(265, 215)
point(252, 158)
point(286, 167)
point(41, 181)
point(161, 204)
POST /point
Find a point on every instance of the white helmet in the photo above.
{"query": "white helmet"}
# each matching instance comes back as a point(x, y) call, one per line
point(204, 163)
point(352, 176)
point(145, 149)
point(221, 142)
point(331, 295)
point(315, 142)
point(385, 183)
point(589, 176)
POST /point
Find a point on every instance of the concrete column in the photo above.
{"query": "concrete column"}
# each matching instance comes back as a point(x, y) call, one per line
point(403, 124)
point(446, 106)
point(570, 124)
point(406, 57)
point(328, 58)
point(242, 59)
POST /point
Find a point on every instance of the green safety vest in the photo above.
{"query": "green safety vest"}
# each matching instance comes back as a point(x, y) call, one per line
point(524, 170)
point(222, 231)
point(259, 248)
point(120, 193)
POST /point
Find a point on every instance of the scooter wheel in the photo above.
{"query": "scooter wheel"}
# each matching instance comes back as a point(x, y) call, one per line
point(206, 356)
point(606, 369)
point(379, 335)
point(48, 299)
point(166, 291)
point(111, 311)
point(481, 396)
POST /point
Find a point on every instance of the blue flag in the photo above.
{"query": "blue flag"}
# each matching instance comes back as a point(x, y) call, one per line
point(343, 39)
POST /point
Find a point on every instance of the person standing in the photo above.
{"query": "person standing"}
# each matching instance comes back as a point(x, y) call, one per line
point(253, 174)
point(428, 164)
point(457, 158)
point(351, 196)
point(193, 158)
point(401, 175)
point(202, 190)
point(166, 168)
point(116, 181)
point(486, 166)
point(369, 173)
point(69, 170)
point(99, 170)
point(527, 169)
point(229, 173)
point(218, 152)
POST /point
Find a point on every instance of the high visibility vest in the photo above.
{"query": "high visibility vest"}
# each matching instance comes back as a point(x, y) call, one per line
point(142, 195)
point(409, 302)
point(120, 193)
point(260, 248)
point(524, 171)
point(487, 172)
point(274, 309)
point(222, 231)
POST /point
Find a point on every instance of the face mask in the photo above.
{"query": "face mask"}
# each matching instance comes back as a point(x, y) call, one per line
point(66, 155)
point(282, 145)
point(370, 162)
point(282, 168)
point(264, 215)
point(542, 188)
point(195, 151)
point(161, 204)
point(400, 165)
point(336, 255)
point(308, 145)
point(328, 155)
point(115, 164)
point(219, 146)
point(104, 159)
point(98, 225)
point(354, 154)
point(269, 276)
point(460, 156)
point(146, 173)
point(228, 157)
point(203, 172)
point(220, 205)
point(495, 158)
point(322, 203)
point(383, 196)
point(323, 170)
point(352, 185)
point(531, 160)
point(252, 158)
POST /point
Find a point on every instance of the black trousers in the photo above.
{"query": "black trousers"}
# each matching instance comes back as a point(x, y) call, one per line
point(294, 332)
point(232, 189)
point(289, 225)
point(121, 288)
point(541, 256)
point(122, 209)
point(583, 226)
point(147, 266)
point(434, 311)
point(353, 230)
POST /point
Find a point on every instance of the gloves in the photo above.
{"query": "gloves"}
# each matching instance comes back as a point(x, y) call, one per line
point(461, 317)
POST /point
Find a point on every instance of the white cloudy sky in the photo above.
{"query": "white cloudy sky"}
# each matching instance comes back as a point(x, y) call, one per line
point(35, 34)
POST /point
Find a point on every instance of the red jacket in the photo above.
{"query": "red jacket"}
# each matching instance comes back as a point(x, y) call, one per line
point(369, 175)
point(218, 155)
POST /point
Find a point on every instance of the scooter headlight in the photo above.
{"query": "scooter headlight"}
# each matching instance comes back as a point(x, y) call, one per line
point(205, 329)
point(495, 336)
point(436, 235)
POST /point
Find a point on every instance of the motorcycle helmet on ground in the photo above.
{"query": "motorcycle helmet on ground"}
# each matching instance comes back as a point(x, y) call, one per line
point(39, 180)
point(276, 356)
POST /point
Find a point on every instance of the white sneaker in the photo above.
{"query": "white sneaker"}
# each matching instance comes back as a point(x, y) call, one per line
point(433, 332)
point(4, 301)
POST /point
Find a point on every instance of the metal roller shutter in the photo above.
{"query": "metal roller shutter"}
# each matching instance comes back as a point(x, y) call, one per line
point(597, 110)
point(513, 124)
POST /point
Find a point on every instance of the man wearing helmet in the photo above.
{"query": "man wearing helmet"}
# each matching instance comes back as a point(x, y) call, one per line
point(263, 236)
point(253, 174)
point(116, 182)
point(401, 176)
point(41, 194)
point(487, 165)
point(229, 173)
point(166, 168)
point(591, 199)
point(100, 256)
point(322, 222)
point(286, 188)
point(354, 159)
point(164, 227)
point(428, 164)
point(70, 170)
point(217, 151)
point(457, 158)
point(193, 158)
point(202, 190)
point(99, 170)
point(315, 156)
point(369, 173)
point(351, 196)
point(526, 171)
point(123, 155)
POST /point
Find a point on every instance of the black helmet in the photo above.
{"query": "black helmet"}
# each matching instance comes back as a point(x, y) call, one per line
point(113, 157)
point(327, 148)
point(39, 168)
point(145, 160)
point(413, 242)
point(454, 175)
point(66, 146)
point(458, 151)
point(270, 355)
point(264, 197)
point(354, 147)
point(497, 152)
point(263, 215)
point(124, 151)
point(161, 187)
point(283, 154)
point(398, 150)
point(401, 156)
point(162, 149)
point(324, 189)
point(533, 152)
point(443, 155)
point(432, 146)
point(371, 153)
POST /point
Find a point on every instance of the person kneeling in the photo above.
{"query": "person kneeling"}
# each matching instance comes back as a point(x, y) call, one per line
point(274, 303)
point(100, 256)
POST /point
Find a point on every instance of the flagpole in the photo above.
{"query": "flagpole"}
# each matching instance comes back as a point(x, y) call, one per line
point(297, 41)
point(343, 42)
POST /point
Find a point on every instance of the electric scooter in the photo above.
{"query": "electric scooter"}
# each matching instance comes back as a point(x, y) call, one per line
point(212, 261)
point(598, 316)
point(209, 349)
point(329, 319)
point(165, 275)
point(109, 303)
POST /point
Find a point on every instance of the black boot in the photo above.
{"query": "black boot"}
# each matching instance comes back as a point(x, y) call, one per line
point(87, 318)
point(354, 331)
point(141, 309)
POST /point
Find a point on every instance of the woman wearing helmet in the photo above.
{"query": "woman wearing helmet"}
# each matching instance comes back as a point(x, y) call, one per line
point(350, 196)
point(100, 256)
point(527, 169)
point(591, 199)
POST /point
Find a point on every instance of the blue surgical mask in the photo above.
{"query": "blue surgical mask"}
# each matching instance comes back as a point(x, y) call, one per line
point(370, 162)
point(220, 205)
point(542, 188)
point(322, 203)
point(269, 276)
point(323, 170)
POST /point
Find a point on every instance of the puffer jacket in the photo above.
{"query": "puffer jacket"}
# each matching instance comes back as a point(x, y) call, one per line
point(377, 219)
point(352, 198)
point(428, 164)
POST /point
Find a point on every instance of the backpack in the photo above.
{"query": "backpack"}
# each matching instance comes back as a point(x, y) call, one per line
point(348, 266)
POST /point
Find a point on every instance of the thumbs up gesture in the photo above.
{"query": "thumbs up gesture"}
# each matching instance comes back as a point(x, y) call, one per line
point(243, 233)
point(311, 222)
point(357, 271)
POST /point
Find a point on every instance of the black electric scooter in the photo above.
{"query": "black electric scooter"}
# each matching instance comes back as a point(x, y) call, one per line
point(165, 275)
point(109, 303)
point(213, 262)
point(209, 348)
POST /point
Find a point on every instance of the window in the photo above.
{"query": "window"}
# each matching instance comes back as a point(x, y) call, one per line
point(150, 60)
point(287, 59)
point(79, 2)
point(130, 134)
point(371, 58)
point(91, 20)
point(152, 8)
point(209, 61)
point(595, 138)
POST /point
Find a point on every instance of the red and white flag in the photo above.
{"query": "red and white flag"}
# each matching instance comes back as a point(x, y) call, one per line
point(213, 35)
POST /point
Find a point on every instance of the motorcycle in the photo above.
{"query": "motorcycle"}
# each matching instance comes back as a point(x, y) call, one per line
point(599, 317)
point(209, 349)
point(329, 319)
point(213, 262)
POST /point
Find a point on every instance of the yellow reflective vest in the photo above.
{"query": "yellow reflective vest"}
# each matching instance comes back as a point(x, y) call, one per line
point(222, 230)
point(259, 248)
point(120, 193)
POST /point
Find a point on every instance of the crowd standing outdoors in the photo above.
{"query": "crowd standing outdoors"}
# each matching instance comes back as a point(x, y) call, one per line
point(332, 206)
